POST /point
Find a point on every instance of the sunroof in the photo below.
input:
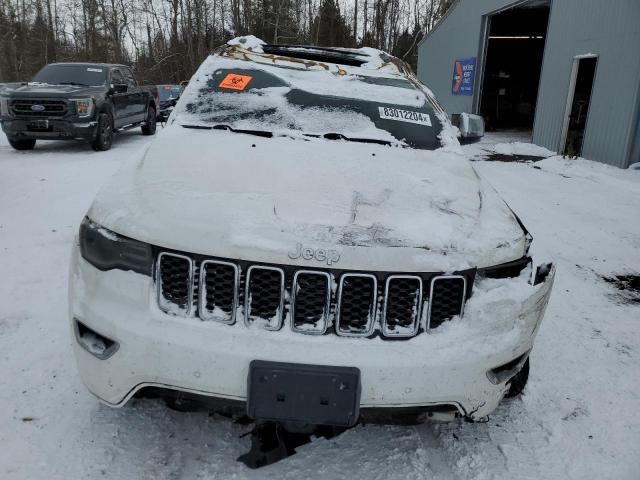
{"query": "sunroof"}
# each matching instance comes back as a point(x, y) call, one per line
point(318, 54)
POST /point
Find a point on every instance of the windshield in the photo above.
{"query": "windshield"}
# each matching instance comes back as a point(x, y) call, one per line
point(169, 92)
point(85, 75)
point(283, 101)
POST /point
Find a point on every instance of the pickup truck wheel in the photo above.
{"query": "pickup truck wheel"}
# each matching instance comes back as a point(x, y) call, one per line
point(104, 135)
point(149, 127)
point(519, 381)
point(23, 144)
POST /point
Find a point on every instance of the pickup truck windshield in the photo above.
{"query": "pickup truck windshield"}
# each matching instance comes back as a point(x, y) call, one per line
point(281, 101)
point(85, 75)
point(169, 92)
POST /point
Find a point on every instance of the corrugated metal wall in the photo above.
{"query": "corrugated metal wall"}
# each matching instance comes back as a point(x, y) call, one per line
point(610, 29)
point(457, 36)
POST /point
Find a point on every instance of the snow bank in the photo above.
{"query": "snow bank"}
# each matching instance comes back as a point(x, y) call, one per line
point(581, 167)
point(521, 148)
point(576, 419)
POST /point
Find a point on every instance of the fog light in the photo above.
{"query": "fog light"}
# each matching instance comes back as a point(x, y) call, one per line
point(504, 372)
point(97, 345)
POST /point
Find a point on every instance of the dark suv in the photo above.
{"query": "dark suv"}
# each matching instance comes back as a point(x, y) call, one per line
point(86, 101)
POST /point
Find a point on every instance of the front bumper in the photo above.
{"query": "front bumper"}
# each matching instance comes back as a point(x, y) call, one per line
point(59, 129)
point(446, 367)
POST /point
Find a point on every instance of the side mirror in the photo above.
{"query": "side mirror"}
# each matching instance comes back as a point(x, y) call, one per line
point(118, 88)
point(471, 127)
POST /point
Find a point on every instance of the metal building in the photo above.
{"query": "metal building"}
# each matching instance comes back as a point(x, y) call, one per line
point(569, 70)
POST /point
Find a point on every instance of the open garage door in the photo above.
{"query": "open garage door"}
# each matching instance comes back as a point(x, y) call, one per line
point(512, 65)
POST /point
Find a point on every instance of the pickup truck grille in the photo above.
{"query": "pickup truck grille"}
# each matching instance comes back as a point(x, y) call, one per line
point(46, 108)
point(310, 301)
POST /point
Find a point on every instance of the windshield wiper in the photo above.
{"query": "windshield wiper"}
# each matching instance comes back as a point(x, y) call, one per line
point(263, 133)
point(339, 136)
point(74, 83)
point(258, 133)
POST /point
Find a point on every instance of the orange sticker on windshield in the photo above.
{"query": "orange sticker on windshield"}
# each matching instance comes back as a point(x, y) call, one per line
point(234, 81)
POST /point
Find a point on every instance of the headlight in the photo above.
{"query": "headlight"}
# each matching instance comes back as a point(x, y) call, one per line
point(107, 250)
point(506, 270)
point(84, 107)
point(4, 107)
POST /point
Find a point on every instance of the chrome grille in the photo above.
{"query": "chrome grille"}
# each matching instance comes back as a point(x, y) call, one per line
point(216, 290)
point(264, 296)
point(175, 283)
point(51, 108)
point(357, 305)
point(402, 306)
point(310, 302)
point(446, 299)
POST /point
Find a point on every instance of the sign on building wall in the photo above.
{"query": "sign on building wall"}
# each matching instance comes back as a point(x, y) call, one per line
point(464, 73)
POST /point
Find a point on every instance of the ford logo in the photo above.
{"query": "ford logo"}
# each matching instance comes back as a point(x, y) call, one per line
point(37, 108)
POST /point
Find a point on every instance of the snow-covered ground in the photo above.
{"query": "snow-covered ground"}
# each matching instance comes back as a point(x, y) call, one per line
point(577, 418)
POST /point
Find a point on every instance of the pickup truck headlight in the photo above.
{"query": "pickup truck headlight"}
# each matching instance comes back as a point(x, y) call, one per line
point(107, 250)
point(84, 107)
point(4, 107)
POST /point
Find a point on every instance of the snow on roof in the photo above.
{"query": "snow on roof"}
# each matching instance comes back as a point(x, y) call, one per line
point(366, 58)
point(249, 42)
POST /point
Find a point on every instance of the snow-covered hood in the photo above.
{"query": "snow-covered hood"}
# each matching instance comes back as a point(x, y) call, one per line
point(374, 207)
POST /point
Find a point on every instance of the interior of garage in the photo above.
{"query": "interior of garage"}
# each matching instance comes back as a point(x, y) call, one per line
point(512, 66)
point(579, 110)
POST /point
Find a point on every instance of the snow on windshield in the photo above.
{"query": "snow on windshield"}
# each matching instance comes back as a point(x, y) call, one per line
point(344, 103)
point(268, 110)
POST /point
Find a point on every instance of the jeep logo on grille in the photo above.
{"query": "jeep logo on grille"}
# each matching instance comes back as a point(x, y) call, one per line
point(320, 254)
point(37, 108)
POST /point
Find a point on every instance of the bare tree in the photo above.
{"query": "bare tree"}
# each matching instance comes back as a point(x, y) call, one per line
point(166, 40)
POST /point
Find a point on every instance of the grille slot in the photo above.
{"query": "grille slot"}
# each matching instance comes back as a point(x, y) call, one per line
point(175, 283)
point(446, 299)
point(264, 296)
point(357, 305)
point(52, 108)
point(310, 302)
point(402, 306)
point(218, 291)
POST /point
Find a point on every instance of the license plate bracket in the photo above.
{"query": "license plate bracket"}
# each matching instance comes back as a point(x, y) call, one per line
point(313, 394)
point(39, 125)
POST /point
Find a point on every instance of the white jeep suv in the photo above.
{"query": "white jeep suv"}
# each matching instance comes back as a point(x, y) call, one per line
point(306, 240)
